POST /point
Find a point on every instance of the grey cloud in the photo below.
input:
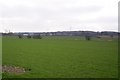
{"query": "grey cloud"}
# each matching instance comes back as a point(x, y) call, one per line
point(26, 11)
point(108, 20)
point(53, 14)
point(104, 20)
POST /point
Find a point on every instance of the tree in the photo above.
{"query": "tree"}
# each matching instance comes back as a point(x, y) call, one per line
point(88, 37)
point(37, 36)
point(28, 36)
point(20, 36)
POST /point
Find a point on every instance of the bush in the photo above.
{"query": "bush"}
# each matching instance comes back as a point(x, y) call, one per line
point(88, 38)
point(20, 36)
point(28, 36)
point(37, 36)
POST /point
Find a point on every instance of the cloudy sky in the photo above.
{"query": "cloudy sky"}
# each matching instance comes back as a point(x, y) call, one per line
point(58, 15)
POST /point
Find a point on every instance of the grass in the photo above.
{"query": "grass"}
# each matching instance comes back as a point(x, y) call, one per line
point(0, 56)
point(62, 57)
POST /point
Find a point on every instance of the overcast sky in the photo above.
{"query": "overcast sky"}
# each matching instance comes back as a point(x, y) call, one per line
point(58, 15)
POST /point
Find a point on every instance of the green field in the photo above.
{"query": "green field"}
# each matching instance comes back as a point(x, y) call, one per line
point(61, 57)
point(0, 56)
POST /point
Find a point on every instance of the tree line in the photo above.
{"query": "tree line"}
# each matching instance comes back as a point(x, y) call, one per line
point(36, 36)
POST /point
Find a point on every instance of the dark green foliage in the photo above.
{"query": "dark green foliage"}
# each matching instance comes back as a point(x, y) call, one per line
point(88, 37)
point(20, 36)
point(98, 37)
point(37, 36)
point(28, 36)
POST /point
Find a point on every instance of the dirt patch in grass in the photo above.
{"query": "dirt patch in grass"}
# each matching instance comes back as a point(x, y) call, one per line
point(14, 69)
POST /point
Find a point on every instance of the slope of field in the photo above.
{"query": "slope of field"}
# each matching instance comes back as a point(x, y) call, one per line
point(62, 58)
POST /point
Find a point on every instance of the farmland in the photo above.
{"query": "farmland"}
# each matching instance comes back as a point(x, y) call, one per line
point(61, 57)
point(0, 57)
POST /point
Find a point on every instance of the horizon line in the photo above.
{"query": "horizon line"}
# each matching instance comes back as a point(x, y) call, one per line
point(57, 31)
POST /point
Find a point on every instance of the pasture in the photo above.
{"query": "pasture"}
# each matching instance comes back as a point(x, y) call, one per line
point(0, 57)
point(61, 57)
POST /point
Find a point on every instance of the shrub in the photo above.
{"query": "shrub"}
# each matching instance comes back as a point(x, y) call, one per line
point(88, 37)
point(38, 36)
point(28, 36)
point(20, 36)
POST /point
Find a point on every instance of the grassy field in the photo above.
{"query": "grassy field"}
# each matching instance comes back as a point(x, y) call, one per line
point(61, 57)
point(0, 56)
